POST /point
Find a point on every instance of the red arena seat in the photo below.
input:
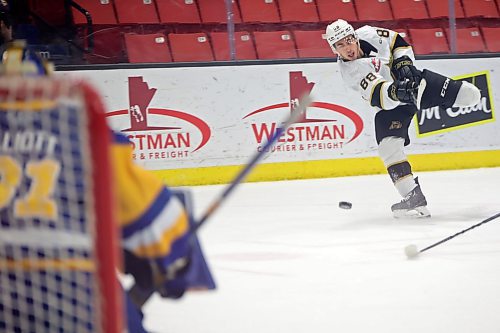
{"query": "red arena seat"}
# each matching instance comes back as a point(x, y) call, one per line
point(136, 11)
point(244, 47)
point(51, 11)
point(214, 11)
point(274, 45)
point(409, 9)
point(298, 11)
point(259, 11)
point(331, 10)
point(469, 40)
point(178, 11)
point(108, 47)
point(147, 48)
point(492, 39)
point(310, 44)
point(190, 47)
point(439, 8)
point(428, 41)
point(100, 11)
point(484, 8)
point(373, 10)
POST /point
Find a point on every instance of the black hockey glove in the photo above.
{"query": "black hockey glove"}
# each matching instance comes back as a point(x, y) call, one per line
point(404, 91)
point(402, 68)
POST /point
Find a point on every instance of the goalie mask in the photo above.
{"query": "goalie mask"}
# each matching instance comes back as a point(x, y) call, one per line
point(337, 31)
point(18, 59)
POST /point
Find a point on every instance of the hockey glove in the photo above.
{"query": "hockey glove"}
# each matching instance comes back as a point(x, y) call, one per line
point(148, 274)
point(402, 68)
point(403, 91)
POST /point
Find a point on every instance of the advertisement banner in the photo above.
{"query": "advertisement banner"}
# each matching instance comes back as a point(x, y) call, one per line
point(192, 117)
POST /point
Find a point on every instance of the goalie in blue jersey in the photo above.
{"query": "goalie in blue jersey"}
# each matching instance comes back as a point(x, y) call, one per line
point(160, 248)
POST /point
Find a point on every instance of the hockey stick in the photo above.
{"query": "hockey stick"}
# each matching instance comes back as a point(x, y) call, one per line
point(412, 250)
point(138, 295)
point(304, 102)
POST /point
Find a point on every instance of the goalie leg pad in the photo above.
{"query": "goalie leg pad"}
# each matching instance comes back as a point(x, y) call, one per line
point(437, 90)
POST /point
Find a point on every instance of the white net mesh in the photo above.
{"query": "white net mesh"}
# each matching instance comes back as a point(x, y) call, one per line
point(48, 279)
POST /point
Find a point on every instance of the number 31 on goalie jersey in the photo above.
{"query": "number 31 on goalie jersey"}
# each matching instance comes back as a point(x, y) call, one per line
point(38, 201)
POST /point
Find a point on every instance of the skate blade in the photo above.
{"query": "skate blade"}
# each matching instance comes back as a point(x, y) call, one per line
point(417, 213)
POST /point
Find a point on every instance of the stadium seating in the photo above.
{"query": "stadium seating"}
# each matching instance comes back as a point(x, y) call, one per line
point(298, 11)
point(428, 41)
point(427, 36)
point(244, 47)
point(214, 11)
point(190, 47)
point(373, 10)
point(469, 40)
point(259, 11)
point(108, 47)
point(51, 11)
point(310, 44)
point(331, 10)
point(147, 48)
point(178, 11)
point(485, 8)
point(275, 45)
point(409, 9)
point(439, 8)
point(136, 11)
point(100, 12)
point(492, 39)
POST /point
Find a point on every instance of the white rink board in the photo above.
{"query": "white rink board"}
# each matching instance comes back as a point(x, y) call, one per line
point(221, 97)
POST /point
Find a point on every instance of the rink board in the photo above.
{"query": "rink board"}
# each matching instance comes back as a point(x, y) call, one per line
point(199, 125)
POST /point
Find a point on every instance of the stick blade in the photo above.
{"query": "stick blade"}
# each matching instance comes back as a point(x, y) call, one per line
point(411, 251)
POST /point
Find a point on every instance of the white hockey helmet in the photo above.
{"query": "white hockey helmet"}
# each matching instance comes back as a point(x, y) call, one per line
point(338, 30)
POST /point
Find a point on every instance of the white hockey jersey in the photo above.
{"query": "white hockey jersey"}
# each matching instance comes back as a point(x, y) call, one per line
point(380, 46)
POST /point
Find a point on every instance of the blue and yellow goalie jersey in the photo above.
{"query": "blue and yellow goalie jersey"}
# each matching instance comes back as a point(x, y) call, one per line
point(155, 226)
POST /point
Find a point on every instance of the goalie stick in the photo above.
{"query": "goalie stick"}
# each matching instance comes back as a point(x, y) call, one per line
point(139, 295)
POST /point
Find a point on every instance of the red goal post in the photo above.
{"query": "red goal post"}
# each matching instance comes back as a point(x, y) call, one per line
point(59, 250)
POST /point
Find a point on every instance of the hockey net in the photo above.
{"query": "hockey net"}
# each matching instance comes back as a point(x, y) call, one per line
point(58, 253)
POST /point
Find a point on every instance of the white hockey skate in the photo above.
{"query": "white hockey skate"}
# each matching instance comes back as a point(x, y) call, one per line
point(413, 205)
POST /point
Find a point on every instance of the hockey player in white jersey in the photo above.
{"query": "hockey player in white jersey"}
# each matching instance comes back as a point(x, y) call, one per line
point(379, 64)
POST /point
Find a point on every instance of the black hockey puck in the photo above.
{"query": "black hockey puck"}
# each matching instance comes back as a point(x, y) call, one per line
point(345, 205)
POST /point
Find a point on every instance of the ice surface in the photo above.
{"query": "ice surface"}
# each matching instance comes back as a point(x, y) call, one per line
point(287, 259)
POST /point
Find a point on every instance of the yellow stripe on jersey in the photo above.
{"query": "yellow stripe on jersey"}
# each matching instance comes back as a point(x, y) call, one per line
point(84, 265)
point(163, 246)
point(36, 105)
point(136, 188)
point(156, 239)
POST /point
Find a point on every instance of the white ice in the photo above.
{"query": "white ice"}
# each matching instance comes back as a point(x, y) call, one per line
point(287, 259)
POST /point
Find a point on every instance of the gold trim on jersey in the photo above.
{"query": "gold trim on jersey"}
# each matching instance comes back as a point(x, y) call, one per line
point(34, 264)
point(36, 105)
point(380, 81)
point(402, 47)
